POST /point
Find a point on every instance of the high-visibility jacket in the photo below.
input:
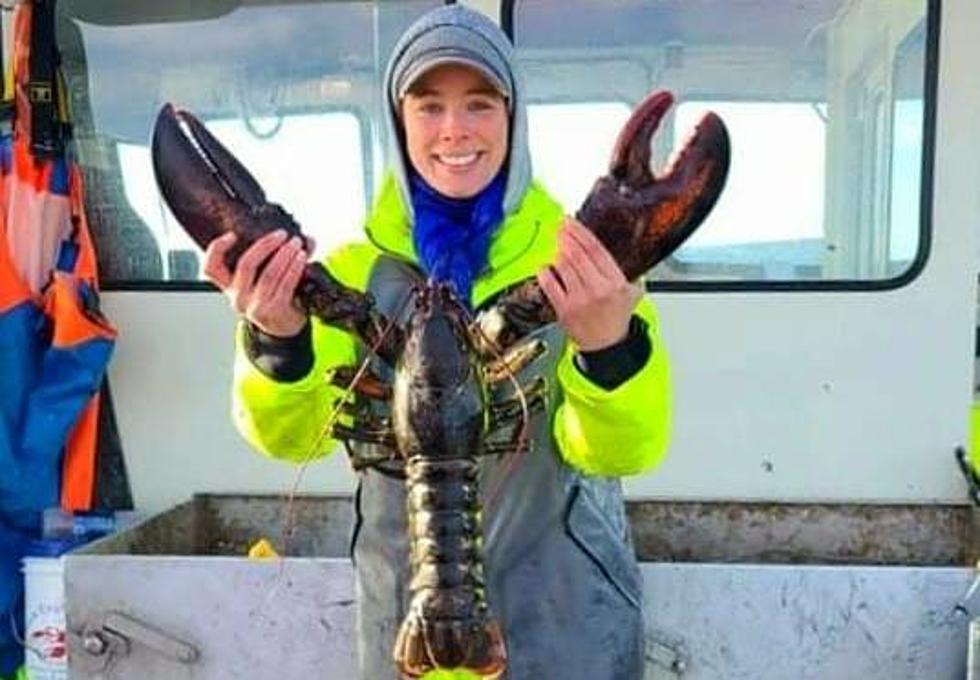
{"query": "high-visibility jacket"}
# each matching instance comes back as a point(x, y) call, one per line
point(620, 432)
point(561, 576)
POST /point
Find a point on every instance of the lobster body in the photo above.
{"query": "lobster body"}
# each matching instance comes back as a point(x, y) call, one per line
point(439, 417)
point(441, 412)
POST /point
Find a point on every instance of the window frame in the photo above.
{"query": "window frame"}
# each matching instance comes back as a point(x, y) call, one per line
point(917, 264)
point(363, 119)
point(369, 130)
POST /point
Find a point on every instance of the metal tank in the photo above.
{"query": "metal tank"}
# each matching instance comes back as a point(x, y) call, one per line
point(733, 591)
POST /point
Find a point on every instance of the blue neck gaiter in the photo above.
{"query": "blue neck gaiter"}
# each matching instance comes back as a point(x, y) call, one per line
point(452, 235)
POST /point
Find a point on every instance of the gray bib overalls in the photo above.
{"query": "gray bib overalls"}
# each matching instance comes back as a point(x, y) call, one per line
point(561, 575)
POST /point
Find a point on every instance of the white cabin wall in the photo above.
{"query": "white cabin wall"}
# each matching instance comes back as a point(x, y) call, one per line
point(841, 396)
point(170, 378)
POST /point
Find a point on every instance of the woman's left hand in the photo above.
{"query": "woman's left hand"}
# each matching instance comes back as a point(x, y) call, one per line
point(592, 298)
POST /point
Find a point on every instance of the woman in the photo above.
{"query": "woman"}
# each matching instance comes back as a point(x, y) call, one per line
point(459, 205)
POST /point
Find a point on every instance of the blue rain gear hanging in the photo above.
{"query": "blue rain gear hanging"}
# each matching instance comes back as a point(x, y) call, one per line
point(55, 343)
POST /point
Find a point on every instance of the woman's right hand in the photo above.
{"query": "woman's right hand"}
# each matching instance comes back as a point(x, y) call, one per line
point(265, 299)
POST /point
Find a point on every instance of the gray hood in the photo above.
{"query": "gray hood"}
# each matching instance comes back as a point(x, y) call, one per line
point(475, 32)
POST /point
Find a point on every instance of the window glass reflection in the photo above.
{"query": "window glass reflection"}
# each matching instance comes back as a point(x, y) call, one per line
point(825, 104)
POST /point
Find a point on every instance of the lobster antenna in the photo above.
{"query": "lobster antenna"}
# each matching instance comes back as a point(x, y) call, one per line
point(289, 524)
point(290, 527)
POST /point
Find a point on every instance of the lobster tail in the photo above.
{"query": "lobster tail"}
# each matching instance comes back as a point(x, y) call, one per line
point(476, 645)
point(448, 623)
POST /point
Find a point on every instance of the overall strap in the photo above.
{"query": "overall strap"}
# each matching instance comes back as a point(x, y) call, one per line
point(43, 88)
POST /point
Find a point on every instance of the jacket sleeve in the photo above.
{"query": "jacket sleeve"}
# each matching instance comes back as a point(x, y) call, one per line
point(618, 432)
point(289, 420)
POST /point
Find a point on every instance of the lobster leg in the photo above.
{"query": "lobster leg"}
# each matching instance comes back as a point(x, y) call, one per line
point(505, 448)
point(639, 216)
point(363, 420)
point(513, 412)
point(367, 385)
point(509, 410)
point(515, 359)
point(382, 462)
point(358, 432)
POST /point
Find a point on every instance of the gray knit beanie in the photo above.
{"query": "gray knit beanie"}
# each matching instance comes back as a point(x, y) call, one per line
point(457, 34)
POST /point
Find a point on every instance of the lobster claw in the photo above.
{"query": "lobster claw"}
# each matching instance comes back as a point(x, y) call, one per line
point(208, 190)
point(211, 193)
point(641, 217)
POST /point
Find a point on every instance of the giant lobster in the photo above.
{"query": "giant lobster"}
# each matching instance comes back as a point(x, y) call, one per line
point(443, 360)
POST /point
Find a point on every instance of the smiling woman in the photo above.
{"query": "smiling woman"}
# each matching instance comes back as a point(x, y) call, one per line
point(455, 129)
point(444, 562)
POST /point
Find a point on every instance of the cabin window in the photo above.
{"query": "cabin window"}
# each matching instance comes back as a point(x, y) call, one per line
point(827, 103)
point(311, 164)
point(291, 88)
point(591, 125)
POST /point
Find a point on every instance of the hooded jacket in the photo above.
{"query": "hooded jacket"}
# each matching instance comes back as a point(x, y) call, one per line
point(284, 420)
point(560, 567)
point(616, 432)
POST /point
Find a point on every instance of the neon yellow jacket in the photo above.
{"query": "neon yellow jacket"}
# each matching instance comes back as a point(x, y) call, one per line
point(616, 432)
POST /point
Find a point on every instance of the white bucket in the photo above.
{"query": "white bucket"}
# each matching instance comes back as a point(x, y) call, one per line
point(46, 656)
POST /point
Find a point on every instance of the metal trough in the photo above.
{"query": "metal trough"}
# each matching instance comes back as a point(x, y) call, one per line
point(733, 591)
